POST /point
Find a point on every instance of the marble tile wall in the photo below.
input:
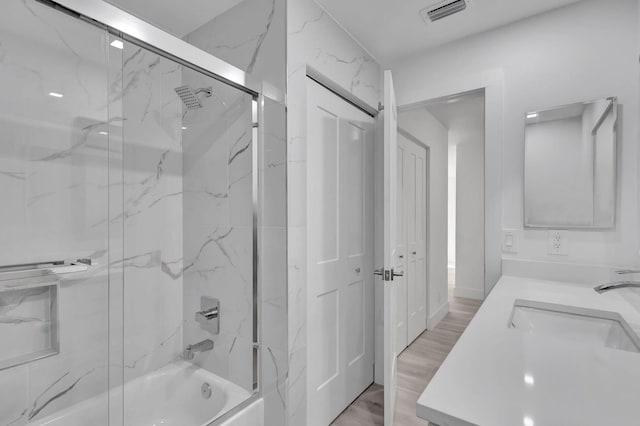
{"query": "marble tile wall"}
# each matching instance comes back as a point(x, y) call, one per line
point(252, 36)
point(314, 39)
point(218, 227)
point(152, 211)
point(54, 189)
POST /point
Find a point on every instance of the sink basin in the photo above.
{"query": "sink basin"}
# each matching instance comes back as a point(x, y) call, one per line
point(571, 323)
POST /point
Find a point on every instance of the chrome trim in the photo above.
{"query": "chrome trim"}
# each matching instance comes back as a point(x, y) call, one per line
point(258, 138)
point(136, 30)
point(325, 82)
point(616, 285)
point(43, 269)
point(191, 350)
point(209, 315)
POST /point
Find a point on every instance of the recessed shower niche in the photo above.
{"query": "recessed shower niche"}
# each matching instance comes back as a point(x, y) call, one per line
point(28, 319)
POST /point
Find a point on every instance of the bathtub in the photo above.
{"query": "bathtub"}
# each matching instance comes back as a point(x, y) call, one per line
point(170, 396)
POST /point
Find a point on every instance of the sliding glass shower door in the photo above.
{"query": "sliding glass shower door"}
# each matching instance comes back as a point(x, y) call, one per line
point(128, 241)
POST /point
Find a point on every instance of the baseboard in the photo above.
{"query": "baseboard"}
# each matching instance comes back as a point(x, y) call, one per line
point(437, 316)
point(468, 293)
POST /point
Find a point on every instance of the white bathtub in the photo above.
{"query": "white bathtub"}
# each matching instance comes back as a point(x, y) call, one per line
point(170, 396)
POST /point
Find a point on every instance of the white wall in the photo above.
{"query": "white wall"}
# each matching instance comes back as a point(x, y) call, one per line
point(424, 126)
point(470, 211)
point(580, 52)
point(451, 193)
point(464, 119)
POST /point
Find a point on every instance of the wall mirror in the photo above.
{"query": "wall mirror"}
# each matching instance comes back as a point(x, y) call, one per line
point(570, 166)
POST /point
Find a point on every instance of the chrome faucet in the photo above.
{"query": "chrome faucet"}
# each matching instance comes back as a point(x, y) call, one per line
point(616, 285)
point(619, 284)
point(190, 352)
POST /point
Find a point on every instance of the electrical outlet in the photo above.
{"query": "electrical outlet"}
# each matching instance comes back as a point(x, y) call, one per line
point(558, 242)
point(509, 241)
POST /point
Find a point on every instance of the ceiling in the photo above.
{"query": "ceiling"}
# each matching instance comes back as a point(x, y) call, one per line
point(393, 30)
point(177, 17)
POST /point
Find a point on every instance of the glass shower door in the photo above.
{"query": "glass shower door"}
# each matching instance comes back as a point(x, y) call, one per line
point(128, 277)
point(188, 298)
point(54, 251)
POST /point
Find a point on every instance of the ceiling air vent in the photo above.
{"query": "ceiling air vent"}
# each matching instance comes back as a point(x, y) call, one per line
point(442, 10)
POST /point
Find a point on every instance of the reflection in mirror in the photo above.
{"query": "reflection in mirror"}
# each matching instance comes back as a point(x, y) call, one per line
point(570, 166)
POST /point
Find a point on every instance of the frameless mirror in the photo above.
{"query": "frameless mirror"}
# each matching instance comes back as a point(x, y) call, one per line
point(570, 166)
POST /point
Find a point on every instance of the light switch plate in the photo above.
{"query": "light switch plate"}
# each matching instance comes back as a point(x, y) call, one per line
point(509, 241)
point(558, 242)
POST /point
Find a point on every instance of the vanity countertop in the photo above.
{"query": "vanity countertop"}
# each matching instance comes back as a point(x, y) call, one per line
point(501, 376)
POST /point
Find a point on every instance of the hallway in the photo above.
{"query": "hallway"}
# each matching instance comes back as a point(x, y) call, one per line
point(416, 366)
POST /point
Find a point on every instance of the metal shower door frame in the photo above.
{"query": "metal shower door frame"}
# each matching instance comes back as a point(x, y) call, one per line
point(141, 33)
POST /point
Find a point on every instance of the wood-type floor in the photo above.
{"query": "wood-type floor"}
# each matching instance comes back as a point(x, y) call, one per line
point(416, 366)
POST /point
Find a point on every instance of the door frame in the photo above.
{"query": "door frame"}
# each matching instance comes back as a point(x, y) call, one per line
point(492, 82)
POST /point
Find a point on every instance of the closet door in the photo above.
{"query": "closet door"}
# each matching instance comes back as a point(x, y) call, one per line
point(340, 253)
point(415, 190)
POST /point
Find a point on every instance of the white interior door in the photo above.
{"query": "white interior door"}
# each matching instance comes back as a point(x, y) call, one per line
point(340, 249)
point(401, 251)
point(390, 248)
point(415, 190)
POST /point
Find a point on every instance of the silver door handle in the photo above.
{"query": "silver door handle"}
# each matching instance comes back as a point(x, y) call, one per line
point(378, 272)
point(397, 274)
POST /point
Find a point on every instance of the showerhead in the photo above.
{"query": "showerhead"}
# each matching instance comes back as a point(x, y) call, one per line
point(189, 96)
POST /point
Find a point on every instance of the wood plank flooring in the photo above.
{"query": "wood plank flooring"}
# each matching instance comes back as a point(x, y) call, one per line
point(416, 366)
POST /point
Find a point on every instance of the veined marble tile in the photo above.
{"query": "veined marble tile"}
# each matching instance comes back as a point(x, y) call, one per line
point(250, 36)
point(152, 211)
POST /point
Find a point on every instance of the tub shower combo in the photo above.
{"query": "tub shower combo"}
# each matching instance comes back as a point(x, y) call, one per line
point(130, 187)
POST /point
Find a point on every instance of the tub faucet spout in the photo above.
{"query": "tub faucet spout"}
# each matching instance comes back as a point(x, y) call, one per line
point(190, 352)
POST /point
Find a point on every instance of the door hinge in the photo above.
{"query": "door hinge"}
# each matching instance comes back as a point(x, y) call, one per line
point(380, 106)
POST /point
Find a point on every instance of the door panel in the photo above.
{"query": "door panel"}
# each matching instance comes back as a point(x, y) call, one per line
point(416, 225)
point(339, 253)
point(401, 224)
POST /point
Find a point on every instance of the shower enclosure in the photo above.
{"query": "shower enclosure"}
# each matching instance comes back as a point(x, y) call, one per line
point(129, 275)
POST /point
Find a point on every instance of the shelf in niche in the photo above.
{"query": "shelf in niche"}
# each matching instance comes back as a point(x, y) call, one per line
point(29, 327)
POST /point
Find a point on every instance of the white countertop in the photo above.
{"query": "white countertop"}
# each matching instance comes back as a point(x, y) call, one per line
point(501, 376)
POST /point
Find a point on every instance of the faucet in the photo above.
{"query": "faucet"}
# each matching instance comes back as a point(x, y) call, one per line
point(190, 352)
point(619, 284)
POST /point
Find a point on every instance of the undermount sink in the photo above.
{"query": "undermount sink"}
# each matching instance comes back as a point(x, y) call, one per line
point(571, 323)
